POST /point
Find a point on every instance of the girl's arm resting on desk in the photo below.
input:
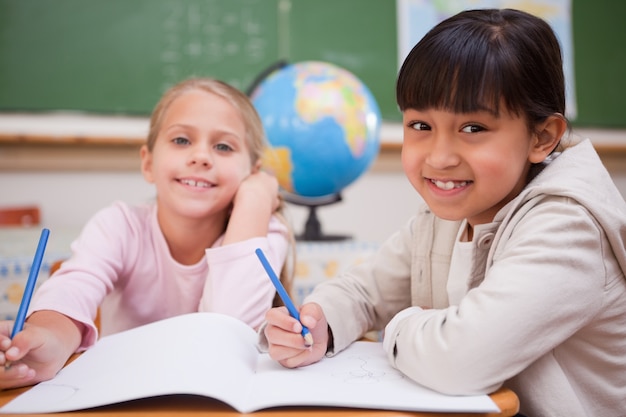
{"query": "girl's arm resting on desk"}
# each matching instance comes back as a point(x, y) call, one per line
point(39, 351)
point(535, 296)
point(367, 295)
point(237, 284)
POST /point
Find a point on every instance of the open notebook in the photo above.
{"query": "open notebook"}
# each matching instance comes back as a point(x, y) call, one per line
point(215, 356)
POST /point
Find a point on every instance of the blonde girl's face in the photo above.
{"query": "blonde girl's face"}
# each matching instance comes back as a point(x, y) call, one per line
point(200, 156)
point(467, 165)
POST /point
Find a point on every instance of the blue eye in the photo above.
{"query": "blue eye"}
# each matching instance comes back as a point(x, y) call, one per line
point(223, 147)
point(181, 141)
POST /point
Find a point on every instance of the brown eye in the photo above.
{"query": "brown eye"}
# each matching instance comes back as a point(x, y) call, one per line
point(419, 126)
point(472, 129)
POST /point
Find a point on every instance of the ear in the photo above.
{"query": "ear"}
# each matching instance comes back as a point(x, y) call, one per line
point(146, 163)
point(257, 166)
point(548, 135)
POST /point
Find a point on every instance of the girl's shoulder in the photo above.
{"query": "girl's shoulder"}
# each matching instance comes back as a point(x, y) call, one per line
point(279, 224)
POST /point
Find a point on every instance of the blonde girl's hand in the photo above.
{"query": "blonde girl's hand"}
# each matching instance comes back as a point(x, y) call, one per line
point(259, 189)
point(12, 375)
point(38, 352)
point(285, 342)
point(253, 205)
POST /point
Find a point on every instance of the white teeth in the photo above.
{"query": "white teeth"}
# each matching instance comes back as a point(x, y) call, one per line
point(193, 183)
point(448, 185)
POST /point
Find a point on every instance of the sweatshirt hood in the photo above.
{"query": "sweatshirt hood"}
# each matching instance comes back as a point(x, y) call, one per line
point(578, 173)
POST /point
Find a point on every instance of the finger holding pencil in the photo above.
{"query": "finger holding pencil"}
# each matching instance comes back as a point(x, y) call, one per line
point(293, 311)
point(29, 288)
point(18, 325)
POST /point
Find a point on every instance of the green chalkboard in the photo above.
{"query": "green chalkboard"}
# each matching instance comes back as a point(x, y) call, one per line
point(118, 56)
point(600, 62)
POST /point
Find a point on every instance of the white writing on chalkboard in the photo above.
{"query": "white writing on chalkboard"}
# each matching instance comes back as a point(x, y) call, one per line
point(201, 37)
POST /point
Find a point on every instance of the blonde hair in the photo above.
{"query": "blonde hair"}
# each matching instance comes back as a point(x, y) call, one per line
point(255, 135)
point(255, 141)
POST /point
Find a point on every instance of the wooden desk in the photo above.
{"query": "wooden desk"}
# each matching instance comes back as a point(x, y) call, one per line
point(185, 405)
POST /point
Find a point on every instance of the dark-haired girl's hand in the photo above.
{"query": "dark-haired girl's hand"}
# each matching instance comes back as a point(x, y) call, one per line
point(284, 339)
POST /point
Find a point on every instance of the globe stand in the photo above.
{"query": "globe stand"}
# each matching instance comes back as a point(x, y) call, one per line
point(313, 227)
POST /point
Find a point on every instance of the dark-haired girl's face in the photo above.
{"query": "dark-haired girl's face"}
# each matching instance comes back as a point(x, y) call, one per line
point(466, 165)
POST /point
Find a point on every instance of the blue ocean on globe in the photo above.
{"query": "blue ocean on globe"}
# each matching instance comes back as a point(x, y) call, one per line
point(323, 126)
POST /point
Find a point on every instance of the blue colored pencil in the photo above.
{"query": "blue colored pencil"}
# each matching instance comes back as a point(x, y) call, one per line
point(293, 311)
point(30, 284)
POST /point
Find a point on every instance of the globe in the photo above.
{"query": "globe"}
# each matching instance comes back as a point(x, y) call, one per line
point(323, 127)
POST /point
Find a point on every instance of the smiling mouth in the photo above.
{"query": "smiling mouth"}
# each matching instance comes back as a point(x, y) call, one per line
point(194, 183)
point(449, 185)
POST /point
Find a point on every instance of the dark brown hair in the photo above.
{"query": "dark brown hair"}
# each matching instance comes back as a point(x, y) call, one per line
point(482, 59)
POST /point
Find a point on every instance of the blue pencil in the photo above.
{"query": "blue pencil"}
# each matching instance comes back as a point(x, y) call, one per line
point(293, 311)
point(30, 284)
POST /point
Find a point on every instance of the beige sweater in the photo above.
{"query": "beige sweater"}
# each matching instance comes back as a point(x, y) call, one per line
point(545, 310)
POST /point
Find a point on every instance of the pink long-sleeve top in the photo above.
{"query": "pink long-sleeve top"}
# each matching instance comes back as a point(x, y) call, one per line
point(122, 264)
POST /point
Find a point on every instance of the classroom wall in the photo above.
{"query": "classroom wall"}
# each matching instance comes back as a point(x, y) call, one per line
point(373, 207)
